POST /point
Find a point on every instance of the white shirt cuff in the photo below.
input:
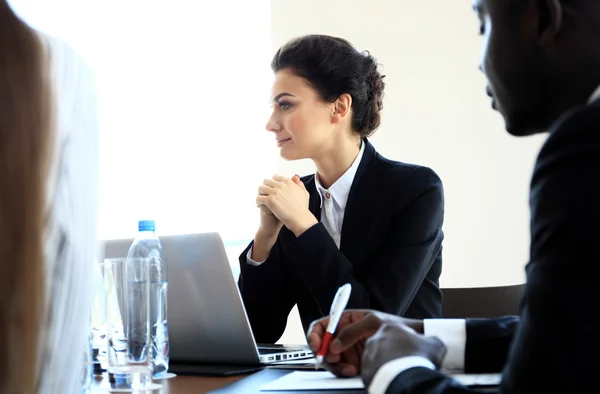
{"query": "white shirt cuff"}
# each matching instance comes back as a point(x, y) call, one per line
point(453, 333)
point(390, 370)
point(249, 259)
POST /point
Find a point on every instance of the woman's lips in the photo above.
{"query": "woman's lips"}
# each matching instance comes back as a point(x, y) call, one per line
point(282, 141)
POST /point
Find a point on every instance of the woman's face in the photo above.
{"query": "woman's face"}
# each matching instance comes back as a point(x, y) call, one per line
point(301, 121)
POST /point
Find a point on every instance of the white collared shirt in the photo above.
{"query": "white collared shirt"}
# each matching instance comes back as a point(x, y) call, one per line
point(452, 332)
point(334, 199)
point(333, 202)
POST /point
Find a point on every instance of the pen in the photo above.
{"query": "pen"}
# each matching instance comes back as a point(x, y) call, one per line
point(337, 308)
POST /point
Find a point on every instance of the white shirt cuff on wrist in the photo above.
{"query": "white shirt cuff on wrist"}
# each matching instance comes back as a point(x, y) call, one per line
point(249, 259)
point(453, 333)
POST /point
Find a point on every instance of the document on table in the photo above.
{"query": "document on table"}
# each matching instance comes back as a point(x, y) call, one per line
point(308, 363)
point(317, 380)
point(312, 380)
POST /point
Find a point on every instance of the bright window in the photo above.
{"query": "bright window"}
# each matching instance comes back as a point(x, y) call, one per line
point(183, 98)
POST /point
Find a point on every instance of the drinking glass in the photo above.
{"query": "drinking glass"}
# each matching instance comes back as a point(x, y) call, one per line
point(127, 292)
point(98, 322)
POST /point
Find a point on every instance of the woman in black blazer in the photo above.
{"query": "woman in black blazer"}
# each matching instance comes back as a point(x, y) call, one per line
point(361, 219)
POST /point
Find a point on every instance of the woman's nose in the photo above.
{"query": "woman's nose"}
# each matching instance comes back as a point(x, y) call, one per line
point(272, 125)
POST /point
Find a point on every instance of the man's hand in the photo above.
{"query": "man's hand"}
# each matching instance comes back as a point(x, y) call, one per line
point(344, 355)
point(393, 341)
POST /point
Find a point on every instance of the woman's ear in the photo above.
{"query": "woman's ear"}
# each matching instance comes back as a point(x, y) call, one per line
point(341, 108)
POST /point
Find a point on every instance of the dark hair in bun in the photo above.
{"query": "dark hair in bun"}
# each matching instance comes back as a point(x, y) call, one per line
point(332, 66)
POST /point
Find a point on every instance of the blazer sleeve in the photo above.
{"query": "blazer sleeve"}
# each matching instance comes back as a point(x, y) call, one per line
point(396, 272)
point(266, 294)
point(488, 343)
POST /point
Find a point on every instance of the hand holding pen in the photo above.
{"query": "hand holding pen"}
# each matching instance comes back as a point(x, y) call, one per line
point(337, 308)
point(354, 328)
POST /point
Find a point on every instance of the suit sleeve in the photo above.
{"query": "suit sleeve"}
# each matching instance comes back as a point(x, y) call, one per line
point(395, 274)
point(486, 352)
point(552, 345)
point(474, 345)
point(488, 343)
point(266, 293)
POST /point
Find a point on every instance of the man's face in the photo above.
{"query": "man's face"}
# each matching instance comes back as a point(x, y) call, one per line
point(514, 64)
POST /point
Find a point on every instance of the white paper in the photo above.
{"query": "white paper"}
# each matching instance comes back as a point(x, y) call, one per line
point(312, 380)
point(319, 380)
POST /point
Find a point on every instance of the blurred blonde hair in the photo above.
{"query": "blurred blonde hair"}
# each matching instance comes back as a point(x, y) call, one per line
point(25, 137)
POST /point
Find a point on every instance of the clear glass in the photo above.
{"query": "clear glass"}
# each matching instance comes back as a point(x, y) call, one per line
point(98, 322)
point(127, 291)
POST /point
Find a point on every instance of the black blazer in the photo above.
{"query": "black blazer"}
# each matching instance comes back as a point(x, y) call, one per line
point(390, 251)
point(554, 347)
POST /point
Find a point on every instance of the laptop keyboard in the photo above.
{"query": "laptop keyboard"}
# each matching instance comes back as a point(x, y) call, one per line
point(291, 356)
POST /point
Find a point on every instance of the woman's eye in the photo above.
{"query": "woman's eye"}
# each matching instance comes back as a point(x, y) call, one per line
point(284, 105)
point(482, 30)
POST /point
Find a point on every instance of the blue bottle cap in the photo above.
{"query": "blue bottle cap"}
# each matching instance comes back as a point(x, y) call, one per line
point(146, 225)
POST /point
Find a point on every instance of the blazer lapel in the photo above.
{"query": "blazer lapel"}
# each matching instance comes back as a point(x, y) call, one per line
point(360, 211)
point(314, 203)
point(359, 208)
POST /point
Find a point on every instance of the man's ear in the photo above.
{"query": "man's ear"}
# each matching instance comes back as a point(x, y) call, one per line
point(550, 20)
point(341, 108)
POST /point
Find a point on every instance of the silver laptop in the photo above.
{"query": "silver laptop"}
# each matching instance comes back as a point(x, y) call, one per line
point(206, 316)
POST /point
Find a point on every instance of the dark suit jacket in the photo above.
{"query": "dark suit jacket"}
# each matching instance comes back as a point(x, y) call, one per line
point(390, 251)
point(555, 346)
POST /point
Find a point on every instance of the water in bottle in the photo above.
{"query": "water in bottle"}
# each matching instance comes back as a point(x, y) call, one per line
point(147, 244)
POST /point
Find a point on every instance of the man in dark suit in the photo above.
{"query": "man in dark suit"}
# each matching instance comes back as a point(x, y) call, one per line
point(542, 61)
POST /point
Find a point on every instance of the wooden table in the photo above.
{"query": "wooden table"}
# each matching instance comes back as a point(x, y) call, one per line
point(199, 385)
point(183, 385)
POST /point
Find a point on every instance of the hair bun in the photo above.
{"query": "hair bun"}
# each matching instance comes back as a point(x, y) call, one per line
point(375, 88)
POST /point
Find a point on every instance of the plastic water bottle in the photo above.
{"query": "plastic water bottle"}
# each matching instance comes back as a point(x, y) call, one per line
point(147, 244)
